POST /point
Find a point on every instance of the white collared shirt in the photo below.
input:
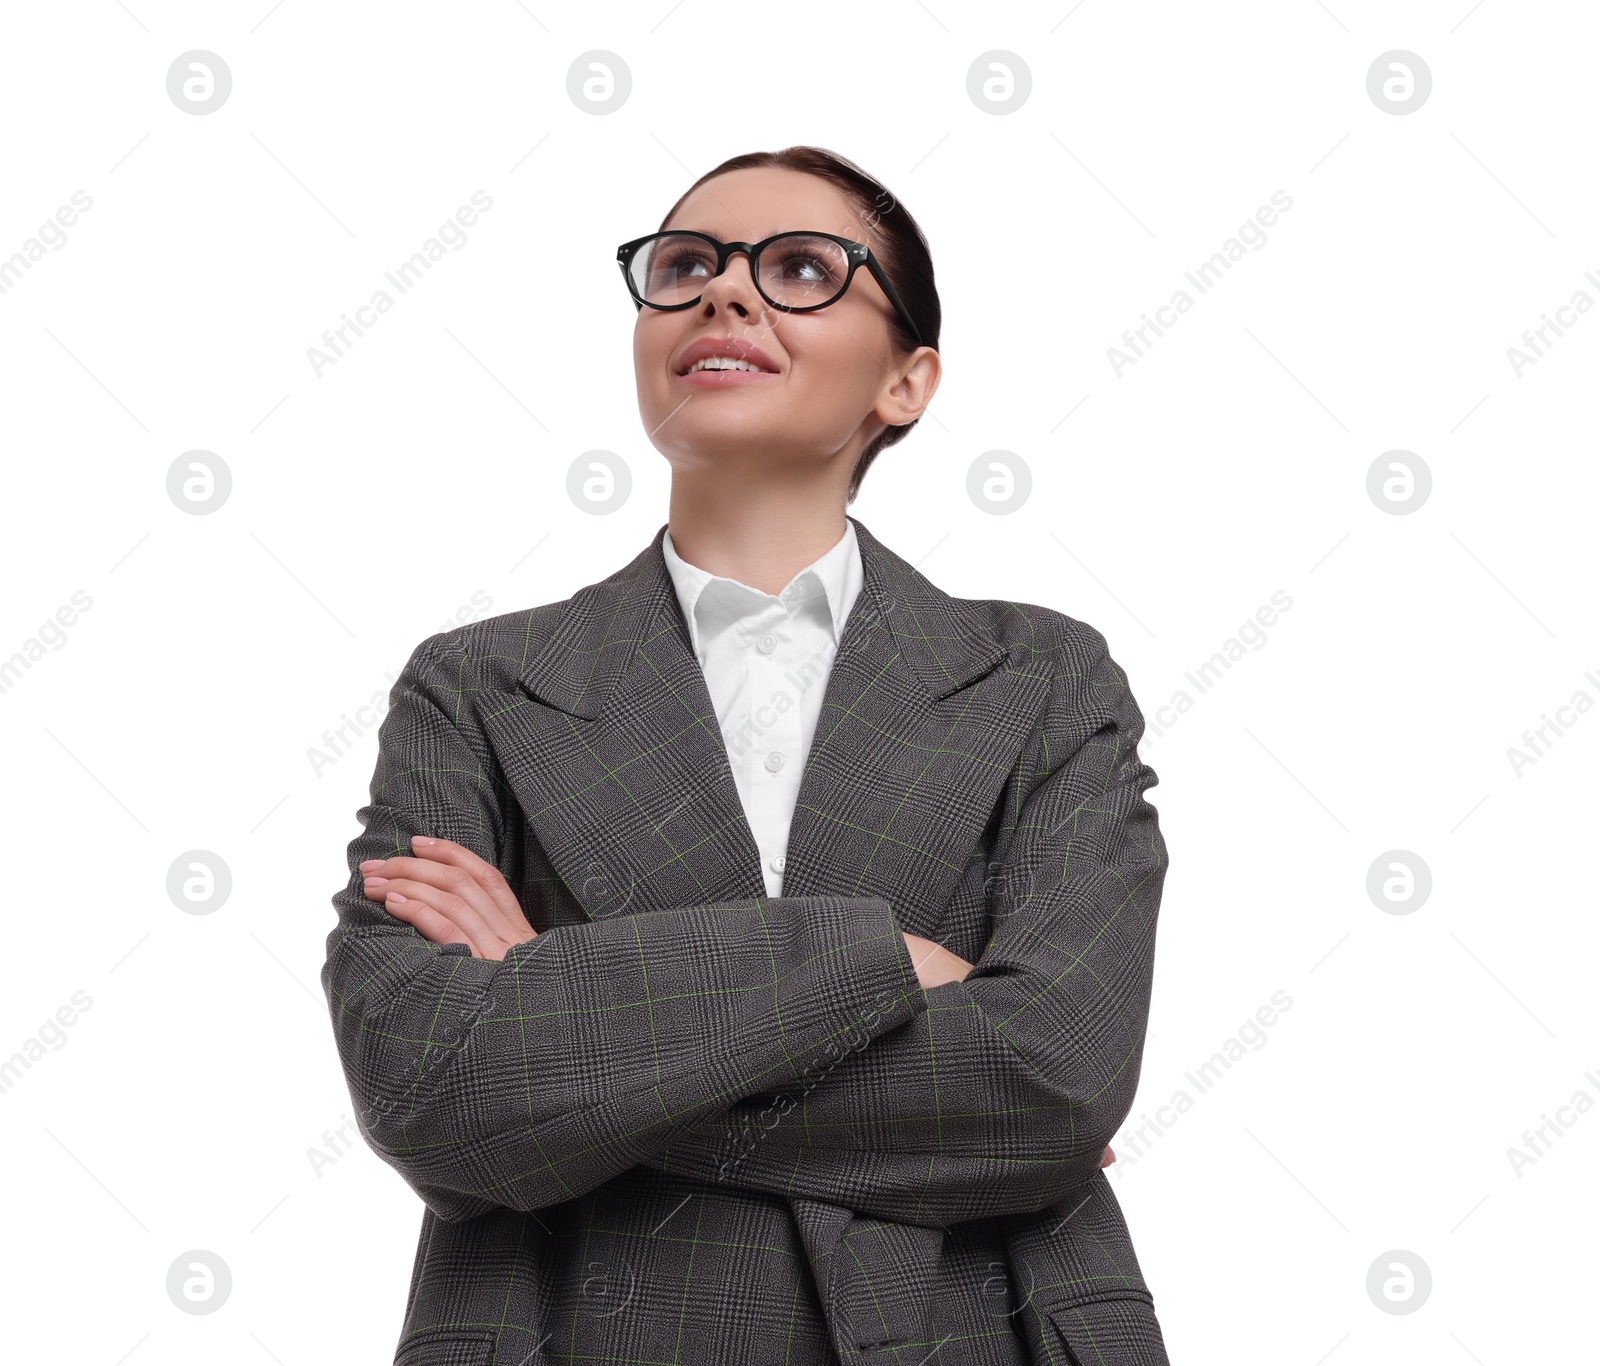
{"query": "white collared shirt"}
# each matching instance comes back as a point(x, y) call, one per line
point(766, 660)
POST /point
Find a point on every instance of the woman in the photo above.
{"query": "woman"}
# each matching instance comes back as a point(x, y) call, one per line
point(747, 959)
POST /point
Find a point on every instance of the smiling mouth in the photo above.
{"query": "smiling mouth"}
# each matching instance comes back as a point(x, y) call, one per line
point(722, 363)
point(724, 357)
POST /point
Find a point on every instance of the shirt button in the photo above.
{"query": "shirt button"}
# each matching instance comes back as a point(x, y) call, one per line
point(774, 761)
point(777, 864)
point(767, 644)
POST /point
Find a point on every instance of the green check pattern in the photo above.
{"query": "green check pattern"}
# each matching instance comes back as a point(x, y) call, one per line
point(691, 1123)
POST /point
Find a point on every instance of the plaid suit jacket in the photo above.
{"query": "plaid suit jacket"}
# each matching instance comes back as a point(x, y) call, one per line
point(691, 1123)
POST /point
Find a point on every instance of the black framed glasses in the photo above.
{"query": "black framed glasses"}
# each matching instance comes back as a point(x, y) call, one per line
point(798, 272)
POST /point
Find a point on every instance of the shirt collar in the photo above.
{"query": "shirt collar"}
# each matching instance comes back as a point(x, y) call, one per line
point(835, 576)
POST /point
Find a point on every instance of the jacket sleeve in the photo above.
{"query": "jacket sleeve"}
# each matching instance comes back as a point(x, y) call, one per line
point(526, 1082)
point(1001, 1096)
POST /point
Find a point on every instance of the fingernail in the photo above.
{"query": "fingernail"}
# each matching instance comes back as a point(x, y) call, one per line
point(377, 882)
point(395, 896)
point(421, 839)
point(372, 863)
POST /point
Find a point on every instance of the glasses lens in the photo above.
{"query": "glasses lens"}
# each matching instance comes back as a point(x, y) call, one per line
point(801, 270)
point(672, 268)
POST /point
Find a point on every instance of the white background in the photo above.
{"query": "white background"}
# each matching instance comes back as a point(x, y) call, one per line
point(421, 480)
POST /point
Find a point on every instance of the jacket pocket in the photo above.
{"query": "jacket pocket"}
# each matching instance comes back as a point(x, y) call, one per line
point(446, 1347)
point(1116, 1331)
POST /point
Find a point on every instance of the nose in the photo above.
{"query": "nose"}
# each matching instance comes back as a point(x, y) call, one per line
point(734, 288)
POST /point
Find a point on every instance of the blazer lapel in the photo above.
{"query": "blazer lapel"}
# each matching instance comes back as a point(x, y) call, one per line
point(620, 766)
point(918, 730)
point(622, 773)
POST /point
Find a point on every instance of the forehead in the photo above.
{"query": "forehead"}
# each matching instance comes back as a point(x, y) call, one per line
point(761, 201)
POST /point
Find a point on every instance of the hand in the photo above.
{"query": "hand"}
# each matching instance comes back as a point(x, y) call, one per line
point(935, 964)
point(450, 896)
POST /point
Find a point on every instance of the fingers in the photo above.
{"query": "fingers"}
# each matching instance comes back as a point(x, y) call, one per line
point(921, 950)
point(451, 896)
point(935, 965)
point(448, 888)
point(429, 923)
point(436, 912)
point(444, 904)
point(503, 911)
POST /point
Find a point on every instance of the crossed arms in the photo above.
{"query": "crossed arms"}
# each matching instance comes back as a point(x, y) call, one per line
point(672, 1038)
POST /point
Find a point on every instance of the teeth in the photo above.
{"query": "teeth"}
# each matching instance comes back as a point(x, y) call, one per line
point(722, 363)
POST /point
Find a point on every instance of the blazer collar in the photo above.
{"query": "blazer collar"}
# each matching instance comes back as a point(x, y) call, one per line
point(935, 638)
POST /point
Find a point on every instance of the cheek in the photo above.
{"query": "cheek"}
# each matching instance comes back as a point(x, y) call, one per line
point(842, 375)
point(843, 345)
point(653, 341)
point(651, 380)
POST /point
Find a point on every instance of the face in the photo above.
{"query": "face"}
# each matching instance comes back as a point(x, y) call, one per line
point(837, 379)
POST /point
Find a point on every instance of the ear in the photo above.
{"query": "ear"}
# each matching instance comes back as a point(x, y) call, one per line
point(909, 388)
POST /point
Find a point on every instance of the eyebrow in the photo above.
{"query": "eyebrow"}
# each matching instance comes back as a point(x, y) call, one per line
point(849, 236)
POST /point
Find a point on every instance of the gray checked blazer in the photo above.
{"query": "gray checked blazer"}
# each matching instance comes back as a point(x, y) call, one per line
point(690, 1123)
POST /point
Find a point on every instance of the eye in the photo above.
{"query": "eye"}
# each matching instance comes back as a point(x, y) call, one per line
point(806, 268)
point(681, 262)
point(803, 269)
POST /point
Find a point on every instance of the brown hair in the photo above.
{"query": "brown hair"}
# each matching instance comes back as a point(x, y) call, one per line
point(895, 239)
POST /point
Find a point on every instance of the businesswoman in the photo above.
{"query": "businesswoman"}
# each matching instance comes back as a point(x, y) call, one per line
point(747, 959)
